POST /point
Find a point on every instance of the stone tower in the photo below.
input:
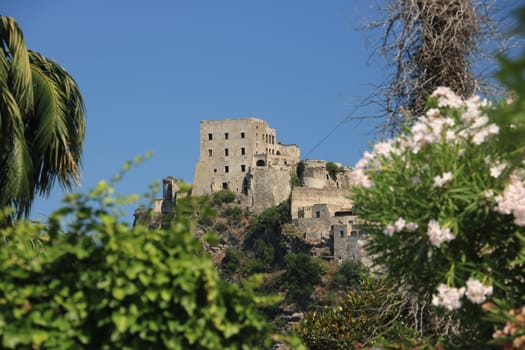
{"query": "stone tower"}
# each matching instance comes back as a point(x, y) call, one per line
point(243, 156)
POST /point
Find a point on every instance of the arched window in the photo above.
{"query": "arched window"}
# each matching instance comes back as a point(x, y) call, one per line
point(260, 162)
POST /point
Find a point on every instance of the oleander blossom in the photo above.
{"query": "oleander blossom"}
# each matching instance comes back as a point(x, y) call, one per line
point(477, 292)
point(448, 297)
point(360, 178)
point(497, 169)
point(437, 234)
point(389, 230)
point(447, 98)
point(398, 226)
point(512, 200)
point(440, 180)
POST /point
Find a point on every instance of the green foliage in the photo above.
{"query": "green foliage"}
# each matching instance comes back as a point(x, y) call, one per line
point(349, 275)
point(271, 219)
point(91, 281)
point(300, 170)
point(450, 192)
point(265, 252)
point(220, 227)
point(42, 123)
point(333, 169)
point(234, 213)
point(295, 181)
point(302, 274)
point(231, 262)
point(223, 197)
point(370, 316)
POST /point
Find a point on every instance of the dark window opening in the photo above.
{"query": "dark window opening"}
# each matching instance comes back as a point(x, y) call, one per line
point(279, 153)
point(210, 152)
point(342, 233)
point(242, 135)
point(317, 214)
point(224, 185)
point(354, 233)
point(344, 213)
point(226, 152)
point(226, 169)
point(214, 170)
point(226, 135)
point(260, 162)
point(351, 222)
point(243, 168)
point(243, 151)
point(210, 136)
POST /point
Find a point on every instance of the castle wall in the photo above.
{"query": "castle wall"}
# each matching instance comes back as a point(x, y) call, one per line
point(304, 198)
point(242, 155)
point(316, 176)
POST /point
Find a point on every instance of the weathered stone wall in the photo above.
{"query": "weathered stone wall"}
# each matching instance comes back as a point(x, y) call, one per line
point(242, 155)
point(304, 198)
point(270, 186)
point(316, 176)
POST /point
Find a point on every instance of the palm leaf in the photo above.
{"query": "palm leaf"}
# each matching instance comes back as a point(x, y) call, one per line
point(57, 125)
point(19, 73)
point(15, 161)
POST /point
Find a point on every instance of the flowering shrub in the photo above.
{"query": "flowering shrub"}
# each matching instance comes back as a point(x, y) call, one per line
point(443, 203)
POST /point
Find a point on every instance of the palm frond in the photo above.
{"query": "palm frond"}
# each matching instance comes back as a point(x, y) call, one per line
point(16, 170)
point(19, 77)
point(58, 125)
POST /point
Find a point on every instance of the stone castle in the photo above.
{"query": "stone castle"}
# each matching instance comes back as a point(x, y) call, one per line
point(243, 156)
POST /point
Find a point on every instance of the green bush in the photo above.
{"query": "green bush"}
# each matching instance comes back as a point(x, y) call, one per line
point(88, 280)
point(234, 213)
point(302, 274)
point(295, 181)
point(349, 275)
point(300, 171)
point(220, 227)
point(333, 169)
point(370, 316)
point(231, 262)
point(223, 197)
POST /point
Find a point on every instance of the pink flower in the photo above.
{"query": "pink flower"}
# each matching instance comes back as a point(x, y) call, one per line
point(437, 234)
point(476, 291)
point(448, 297)
point(440, 180)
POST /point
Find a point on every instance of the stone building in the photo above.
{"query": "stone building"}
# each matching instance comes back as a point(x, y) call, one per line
point(322, 211)
point(244, 156)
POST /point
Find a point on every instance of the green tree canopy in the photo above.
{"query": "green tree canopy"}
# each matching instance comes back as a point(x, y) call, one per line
point(42, 120)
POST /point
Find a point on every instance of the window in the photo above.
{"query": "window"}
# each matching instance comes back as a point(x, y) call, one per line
point(224, 185)
point(226, 169)
point(214, 170)
point(317, 214)
point(260, 162)
point(226, 152)
point(242, 135)
point(351, 222)
point(342, 233)
point(226, 135)
point(243, 151)
point(210, 136)
point(210, 152)
point(243, 168)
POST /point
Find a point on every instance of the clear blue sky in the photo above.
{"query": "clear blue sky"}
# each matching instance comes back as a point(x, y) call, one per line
point(149, 71)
